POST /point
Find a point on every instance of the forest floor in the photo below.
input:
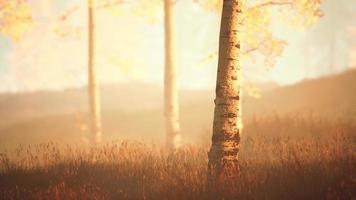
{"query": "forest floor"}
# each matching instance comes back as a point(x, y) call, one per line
point(280, 158)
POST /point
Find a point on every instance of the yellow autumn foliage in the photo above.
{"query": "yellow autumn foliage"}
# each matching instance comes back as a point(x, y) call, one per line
point(256, 35)
point(150, 10)
point(123, 64)
point(15, 18)
point(253, 91)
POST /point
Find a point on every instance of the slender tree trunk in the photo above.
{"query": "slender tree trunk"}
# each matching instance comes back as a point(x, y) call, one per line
point(171, 111)
point(223, 154)
point(93, 89)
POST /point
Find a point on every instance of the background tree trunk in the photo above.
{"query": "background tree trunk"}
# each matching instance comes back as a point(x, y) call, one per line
point(93, 89)
point(223, 154)
point(171, 111)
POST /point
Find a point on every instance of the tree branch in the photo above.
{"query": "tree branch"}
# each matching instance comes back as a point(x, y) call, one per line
point(251, 50)
point(272, 3)
point(68, 13)
point(110, 4)
point(75, 8)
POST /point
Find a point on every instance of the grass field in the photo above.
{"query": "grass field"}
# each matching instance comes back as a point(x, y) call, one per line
point(291, 157)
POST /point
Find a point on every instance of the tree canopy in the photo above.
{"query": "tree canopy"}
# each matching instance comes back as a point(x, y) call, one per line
point(15, 18)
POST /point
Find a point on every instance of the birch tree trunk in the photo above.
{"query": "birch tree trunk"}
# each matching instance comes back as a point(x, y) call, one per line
point(223, 154)
point(171, 111)
point(93, 89)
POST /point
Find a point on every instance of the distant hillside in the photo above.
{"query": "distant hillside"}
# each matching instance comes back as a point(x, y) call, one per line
point(135, 110)
point(333, 96)
point(134, 97)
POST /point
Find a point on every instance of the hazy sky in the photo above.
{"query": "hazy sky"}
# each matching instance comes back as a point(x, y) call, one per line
point(130, 48)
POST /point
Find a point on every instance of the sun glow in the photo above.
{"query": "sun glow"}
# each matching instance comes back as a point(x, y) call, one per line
point(130, 47)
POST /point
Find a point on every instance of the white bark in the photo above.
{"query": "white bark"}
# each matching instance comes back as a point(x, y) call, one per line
point(93, 88)
point(223, 154)
point(171, 111)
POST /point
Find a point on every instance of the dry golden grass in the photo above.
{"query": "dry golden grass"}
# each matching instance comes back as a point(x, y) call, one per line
point(281, 158)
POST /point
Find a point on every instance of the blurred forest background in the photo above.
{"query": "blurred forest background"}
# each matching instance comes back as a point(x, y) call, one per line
point(43, 74)
point(298, 96)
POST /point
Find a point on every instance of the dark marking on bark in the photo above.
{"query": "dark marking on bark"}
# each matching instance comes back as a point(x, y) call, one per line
point(230, 58)
point(231, 115)
point(236, 98)
point(222, 104)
